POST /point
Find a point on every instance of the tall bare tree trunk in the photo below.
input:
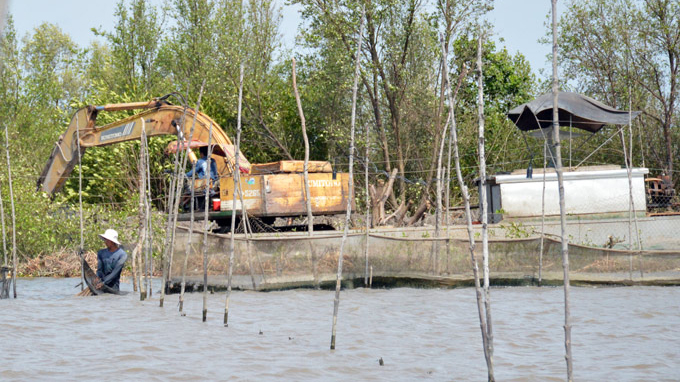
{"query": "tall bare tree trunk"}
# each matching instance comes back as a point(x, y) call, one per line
point(468, 216)
point(338, 279)
point(482, 196)
point(308, 196)
point(236, 176)
point(560, 181)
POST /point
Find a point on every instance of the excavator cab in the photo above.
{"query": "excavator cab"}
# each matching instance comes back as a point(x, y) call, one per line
point(200, 187)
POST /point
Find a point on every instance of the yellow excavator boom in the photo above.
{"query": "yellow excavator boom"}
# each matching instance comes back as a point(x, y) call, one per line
point(159, 118)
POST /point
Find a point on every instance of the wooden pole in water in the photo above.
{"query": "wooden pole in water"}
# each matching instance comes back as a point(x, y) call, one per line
point(142, 221)
point(368, 203)
point(172, 211)
point(484, 212)
point(80, 202)
point(338, 279)
point(179, 183)
point(236, 176)
point(149, 217)
point(560, 181)
point(540, 253)
point(14, 224)
point(308, 196)
point(191, 203)
point(628, 158)
point(206, 207)
point(468, 216)
point(4, 230)
point(187, 248)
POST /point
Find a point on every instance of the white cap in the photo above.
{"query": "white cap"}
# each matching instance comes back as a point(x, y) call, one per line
point(110, 234)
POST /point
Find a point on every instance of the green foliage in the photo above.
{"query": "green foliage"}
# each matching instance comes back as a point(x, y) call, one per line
point(625, 53)
point(516, 230)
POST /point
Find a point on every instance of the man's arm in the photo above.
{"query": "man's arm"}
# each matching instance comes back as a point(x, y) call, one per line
point(100, 265)
point(116, 268)
point(191, 172)
point(213, 170)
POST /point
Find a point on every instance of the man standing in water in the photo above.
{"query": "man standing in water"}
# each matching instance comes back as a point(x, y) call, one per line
point(110, 261)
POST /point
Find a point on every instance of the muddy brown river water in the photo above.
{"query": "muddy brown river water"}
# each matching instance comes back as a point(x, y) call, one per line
point(621, 334)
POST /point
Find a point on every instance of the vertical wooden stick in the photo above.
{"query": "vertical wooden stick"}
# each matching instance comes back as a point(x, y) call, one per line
point(308, 196)
point(171, 207)
point(540, 253)
point(179, 183)
point(80, 201)
point(236, 174)
point(560, 181)
point(191, 202)
point(485, 212)
point(448, 191)
point(205, 225)
point(368, 204)
point(468, 216)
point(14, 224)
point(338, 280)
point(149, 217)
point(4, 229)
point(142, 220)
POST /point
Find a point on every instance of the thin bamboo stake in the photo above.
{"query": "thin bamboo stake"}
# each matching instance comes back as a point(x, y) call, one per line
point(560, 181)
point(236, 176)
point(630, 206)
point(368, 204)
point(484, 212)
point(468, 215)
point(168, 229)
point(540, 253)
point(448, 190)
point(149, 218)
point(308, 196)
point(4, 231)
point(14, 224)
point(80, 202)
point(630, 155)
point(189, 244)
point(173, 201)
point(628, 158)
point(142, 220)
point(205, 225)
point(338, 280)
point(191, 203)
point(438, 209)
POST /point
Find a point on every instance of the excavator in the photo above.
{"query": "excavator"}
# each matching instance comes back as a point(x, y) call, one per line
point(267, 191)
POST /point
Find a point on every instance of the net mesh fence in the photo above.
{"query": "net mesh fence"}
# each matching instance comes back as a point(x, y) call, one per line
point(416, 257)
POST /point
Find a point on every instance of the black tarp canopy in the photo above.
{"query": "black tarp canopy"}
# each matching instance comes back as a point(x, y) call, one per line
point(575, 110)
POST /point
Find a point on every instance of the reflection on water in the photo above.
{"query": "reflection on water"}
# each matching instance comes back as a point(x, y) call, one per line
point(628, 333)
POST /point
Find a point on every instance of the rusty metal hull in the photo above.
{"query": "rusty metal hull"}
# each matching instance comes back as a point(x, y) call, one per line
point(279, 195)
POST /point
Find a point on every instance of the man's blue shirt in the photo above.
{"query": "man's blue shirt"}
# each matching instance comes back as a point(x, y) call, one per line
point(109, 266)
point(201, 168)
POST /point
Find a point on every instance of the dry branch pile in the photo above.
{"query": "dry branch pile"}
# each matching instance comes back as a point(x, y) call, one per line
point(60, 264)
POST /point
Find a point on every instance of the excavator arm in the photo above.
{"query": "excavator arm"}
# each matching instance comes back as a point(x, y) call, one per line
point(159, 118)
